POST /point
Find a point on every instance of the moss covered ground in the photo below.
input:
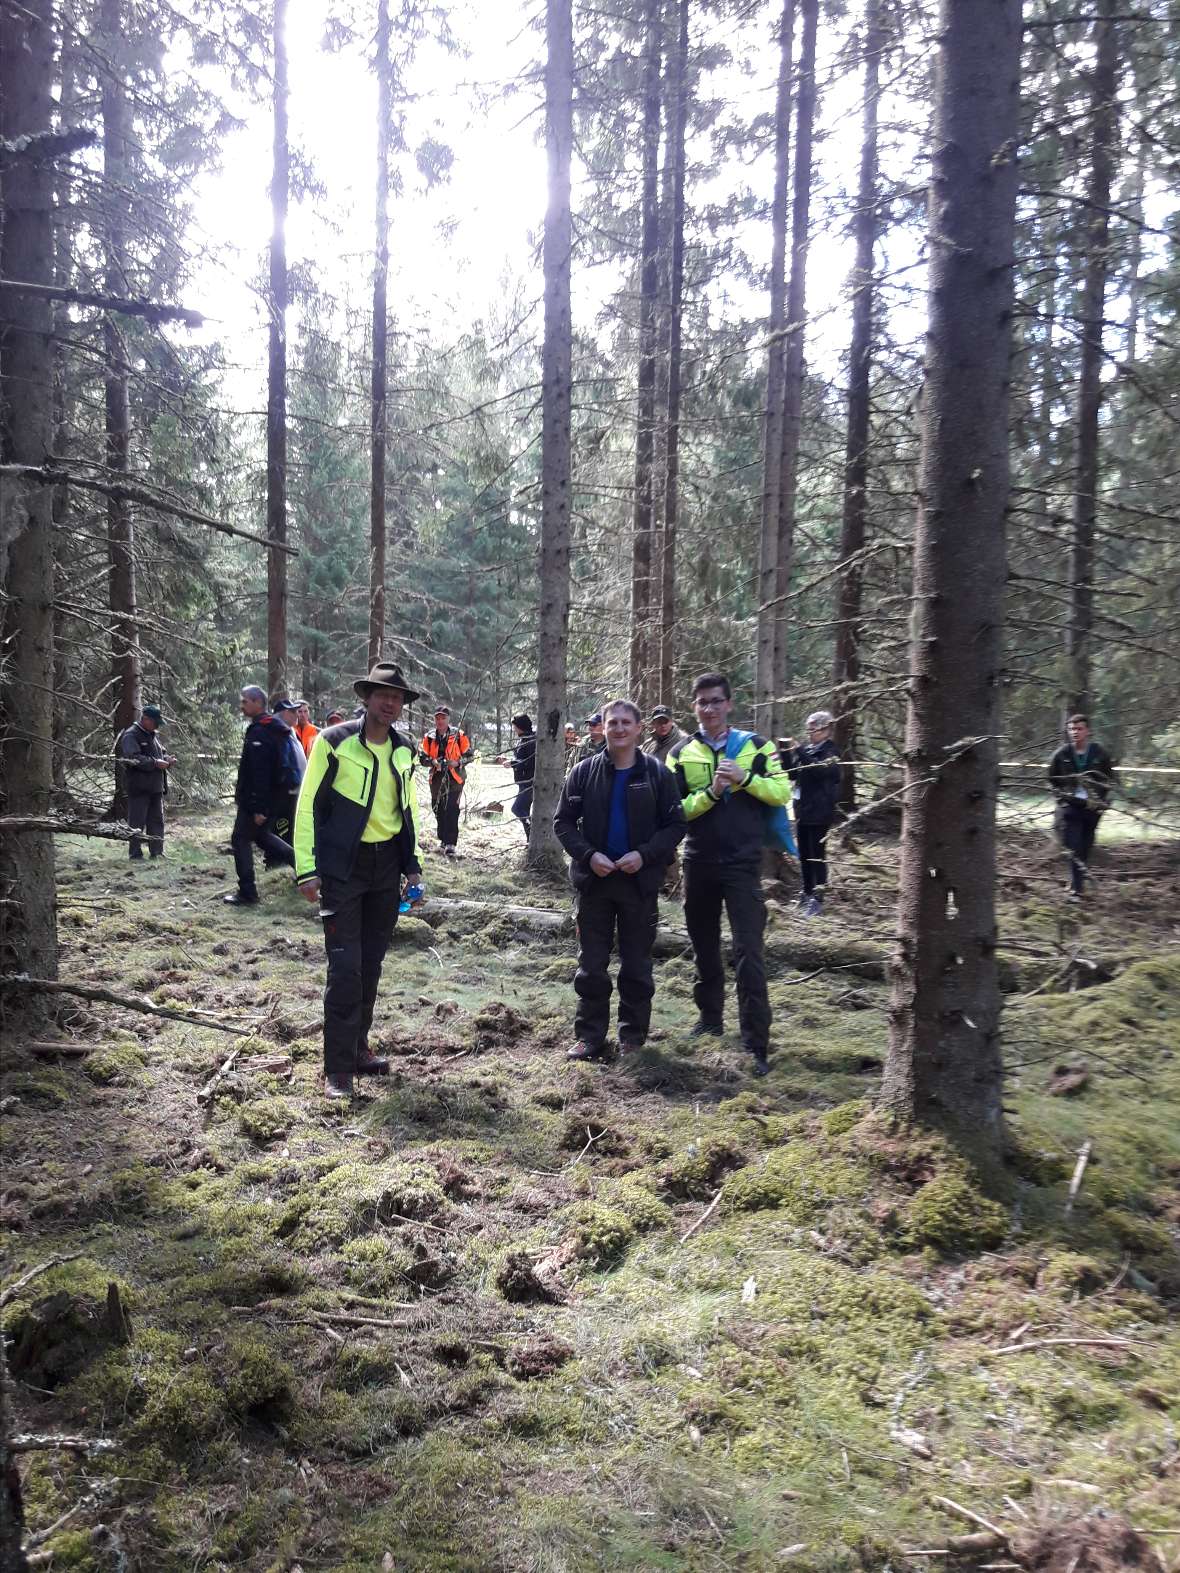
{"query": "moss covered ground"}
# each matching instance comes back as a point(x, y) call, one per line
point(455, 1326)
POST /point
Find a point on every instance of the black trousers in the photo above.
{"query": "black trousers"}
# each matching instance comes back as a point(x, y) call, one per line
point(1078, 828)
point(610, 904)
point(707, 888)
point(445, 797)
point(281, 825)
point(812, 841)
point(523, 805)
point(145, 811)
point(359, 916)
point(246, 836)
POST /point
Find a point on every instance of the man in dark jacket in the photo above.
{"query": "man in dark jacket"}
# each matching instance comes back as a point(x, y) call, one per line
point(145, 768)
point(523, 765)
point(814, 769)
point(620, 820)
point(356, 836)
point(727, 779)
point(262, 792)
point(1081, 775)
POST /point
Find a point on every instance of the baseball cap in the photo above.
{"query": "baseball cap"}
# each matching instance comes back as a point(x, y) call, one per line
point(153, 713)
point(285, 704)
point(593, 720)
point(660, 713)
point(442, 709)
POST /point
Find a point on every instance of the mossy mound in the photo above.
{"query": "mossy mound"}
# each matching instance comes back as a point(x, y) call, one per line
point(63, 1320)
point(953, 1216)
point(795, 1180)
point(266, 1119)
point(355, 1198)
point(695, 1172)
point(117, 1066)
point(376, 1264)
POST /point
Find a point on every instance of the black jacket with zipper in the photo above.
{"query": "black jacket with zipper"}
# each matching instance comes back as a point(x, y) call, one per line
point(138, 751)
point(259, 787)
point(815, 771)
point(655, 817)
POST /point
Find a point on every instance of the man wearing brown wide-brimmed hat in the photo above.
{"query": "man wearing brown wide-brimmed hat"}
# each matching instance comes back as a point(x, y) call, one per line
point(356, 835)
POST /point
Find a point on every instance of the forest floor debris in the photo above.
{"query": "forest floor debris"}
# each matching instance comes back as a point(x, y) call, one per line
point(490, 1318)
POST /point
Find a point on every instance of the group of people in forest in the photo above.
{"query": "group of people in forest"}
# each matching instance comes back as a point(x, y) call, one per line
point(340, 806)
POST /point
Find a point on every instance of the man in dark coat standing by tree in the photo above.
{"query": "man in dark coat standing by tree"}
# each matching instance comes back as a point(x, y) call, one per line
point(1081, 774)
point(145, 766)
point(814, 769)
point(263, 791)
point(620, 820)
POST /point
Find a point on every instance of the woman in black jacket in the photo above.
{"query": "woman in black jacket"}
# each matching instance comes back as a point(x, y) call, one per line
point(814, 767)
point(523, 765)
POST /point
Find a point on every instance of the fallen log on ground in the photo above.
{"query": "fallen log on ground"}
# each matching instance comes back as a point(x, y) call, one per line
point(808, 952)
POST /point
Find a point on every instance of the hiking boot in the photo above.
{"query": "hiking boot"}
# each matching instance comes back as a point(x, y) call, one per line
point(448, 852)
point(630, 1045)
point(814, 908)
point(586, 1051)
point(337, 1087)
point(240, 899)
point(761, 1064)
point(370, 1064)
point(705, 1029)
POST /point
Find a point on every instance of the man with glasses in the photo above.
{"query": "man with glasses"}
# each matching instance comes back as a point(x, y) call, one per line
point(728, 780)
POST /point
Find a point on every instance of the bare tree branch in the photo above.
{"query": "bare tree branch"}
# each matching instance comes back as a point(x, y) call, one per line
point(46, 475)
point(149, 310)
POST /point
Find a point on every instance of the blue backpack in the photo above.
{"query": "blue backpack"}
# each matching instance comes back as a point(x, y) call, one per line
point(291, 765)
point(777, 829)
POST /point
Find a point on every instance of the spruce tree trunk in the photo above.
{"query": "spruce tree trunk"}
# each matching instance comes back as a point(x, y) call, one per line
point(641, 675)
point(793, 369)
point(28, 911)
point(943, 1065)
point(1103, 120)
point(772, 425)
point(556, 388)
point(666, 687)
point(65, 228)
point(126, 679)
point(276, 396)
point(380, 378)
point(854, 521)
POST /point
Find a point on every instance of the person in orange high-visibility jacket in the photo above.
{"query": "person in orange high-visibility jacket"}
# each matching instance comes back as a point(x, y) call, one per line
point(447, 750)
point(301, 724)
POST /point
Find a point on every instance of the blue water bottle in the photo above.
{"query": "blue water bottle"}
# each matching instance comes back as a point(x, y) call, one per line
point(412, 898)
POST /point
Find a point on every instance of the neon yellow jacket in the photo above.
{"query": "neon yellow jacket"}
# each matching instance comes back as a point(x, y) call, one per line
point(336, 798)
point(730, 829)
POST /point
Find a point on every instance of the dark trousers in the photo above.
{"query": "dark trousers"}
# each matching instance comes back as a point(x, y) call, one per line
point(1078, 828)
point(445, 796)
point(359, 916)
point(615, 902)
point(812, 841)
point(523, 806)
point(281, 824)
point(246, 836)
point(145, 811)
point(707, 888)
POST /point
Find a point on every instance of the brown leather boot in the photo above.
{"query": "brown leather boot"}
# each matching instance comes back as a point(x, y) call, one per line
point(337, 1086)
point(370, 1064)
